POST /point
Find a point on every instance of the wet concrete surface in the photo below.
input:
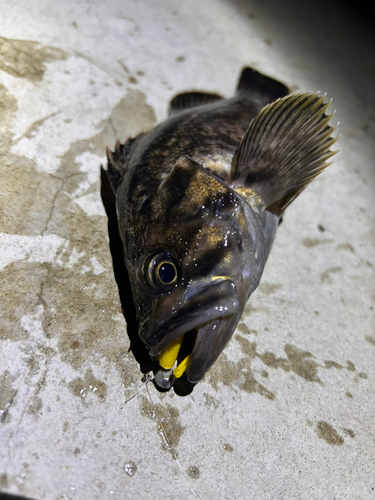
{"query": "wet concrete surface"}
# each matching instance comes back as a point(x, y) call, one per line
point(287, 410)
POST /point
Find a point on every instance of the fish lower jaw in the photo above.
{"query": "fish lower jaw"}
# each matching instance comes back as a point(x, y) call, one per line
point(176, 357)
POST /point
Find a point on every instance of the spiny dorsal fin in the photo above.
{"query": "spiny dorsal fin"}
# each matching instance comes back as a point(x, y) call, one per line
point(285, 147)
point(191, 100)
point(255, 83)
point(118, 163)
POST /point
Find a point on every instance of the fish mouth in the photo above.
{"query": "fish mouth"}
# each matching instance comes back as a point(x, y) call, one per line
point(193, 339)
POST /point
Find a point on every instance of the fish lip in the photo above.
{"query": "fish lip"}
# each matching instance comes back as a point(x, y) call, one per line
point(210, 341)
point(219, 300)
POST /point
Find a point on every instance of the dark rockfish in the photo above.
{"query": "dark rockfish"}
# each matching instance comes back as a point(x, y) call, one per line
point(199, 199)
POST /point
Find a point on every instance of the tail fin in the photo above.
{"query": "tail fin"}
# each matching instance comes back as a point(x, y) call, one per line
point(285, 147)
point(254, 82)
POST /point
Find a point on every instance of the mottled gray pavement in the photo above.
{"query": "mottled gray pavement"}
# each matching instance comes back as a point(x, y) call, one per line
point(288, 410)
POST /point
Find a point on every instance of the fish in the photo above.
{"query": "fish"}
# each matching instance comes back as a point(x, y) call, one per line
point(199, 199)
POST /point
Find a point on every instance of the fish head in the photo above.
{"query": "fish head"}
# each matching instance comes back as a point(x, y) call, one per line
point(201, 258)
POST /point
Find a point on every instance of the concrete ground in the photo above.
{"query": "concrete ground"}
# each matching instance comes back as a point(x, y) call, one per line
point(288, 409)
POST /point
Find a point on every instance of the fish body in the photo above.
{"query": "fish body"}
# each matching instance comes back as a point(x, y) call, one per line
point(199, 199)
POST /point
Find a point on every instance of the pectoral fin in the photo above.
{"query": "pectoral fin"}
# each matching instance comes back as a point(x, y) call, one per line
point(285, 147)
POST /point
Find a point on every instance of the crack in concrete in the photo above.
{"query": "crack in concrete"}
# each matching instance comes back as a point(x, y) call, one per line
point(53, 205)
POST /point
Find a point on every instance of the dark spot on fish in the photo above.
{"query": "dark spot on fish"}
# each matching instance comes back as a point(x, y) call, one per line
point(332, 364)
point(328, 433)
point(313, 242)
point(363, 375)
point(132, 80)
point(166, 418)
point(76, 452)
point(370, 339)
point(180, 59)
point(325, 277)
point(4, 482)
point(130, 468)
point(321, 228)
point(346, 246)
point(227, 447)
point(193, 472)
point(81, 387)
point(269, 288)
point(349, 432)
point(350, 366)
point(26, 59)
point(349, 395)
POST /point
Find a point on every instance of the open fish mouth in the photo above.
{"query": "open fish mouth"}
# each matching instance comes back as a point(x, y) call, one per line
point(193, 340)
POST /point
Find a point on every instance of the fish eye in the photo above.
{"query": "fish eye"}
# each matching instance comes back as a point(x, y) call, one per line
point(162, 272)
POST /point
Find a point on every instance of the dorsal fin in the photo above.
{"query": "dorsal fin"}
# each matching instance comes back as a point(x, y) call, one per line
point(255, 83)
point(191, 100)
point(285, 147)
point(118, 163)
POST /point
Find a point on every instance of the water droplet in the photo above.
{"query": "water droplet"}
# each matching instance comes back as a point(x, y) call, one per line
point(130, 468)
